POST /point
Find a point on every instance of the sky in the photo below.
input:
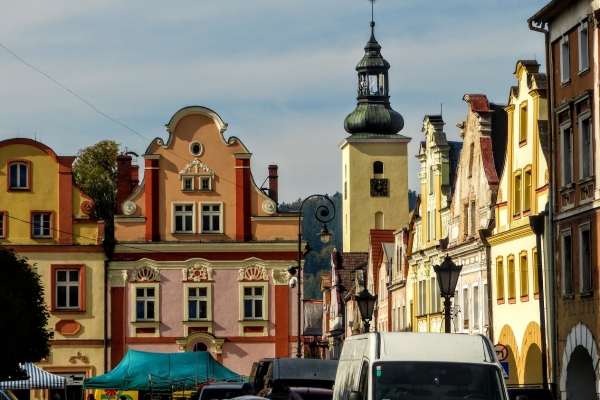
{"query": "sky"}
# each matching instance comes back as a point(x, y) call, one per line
point(280, 73)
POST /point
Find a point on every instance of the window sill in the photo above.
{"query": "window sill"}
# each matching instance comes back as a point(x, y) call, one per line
point(585, 180)
point(565, 83)
point(512, 301)
point(17, 189)
point(536, 296)
point(526, 213)
point(66, 312)
point(523, 143)
point(584, 71)
point(183, 233)
point(525, 298)
point(587, 293)
point(500, 301)
point(568, 296)
point(517, 216)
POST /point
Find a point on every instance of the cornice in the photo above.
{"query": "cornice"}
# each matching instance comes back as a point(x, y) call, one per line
point(508, 236)
point(196, 247)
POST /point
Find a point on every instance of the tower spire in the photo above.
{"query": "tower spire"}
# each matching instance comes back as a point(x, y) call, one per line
point(373, 113)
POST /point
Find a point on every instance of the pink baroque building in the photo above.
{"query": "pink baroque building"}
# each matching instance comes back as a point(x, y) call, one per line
point(201, 255)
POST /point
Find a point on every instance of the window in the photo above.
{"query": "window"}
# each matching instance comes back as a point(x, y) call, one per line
point(475, 306)
point(585, 254)
point(188, 183)
point(183, 218)
point(517, 194)
point(145, 302)
point(527, 190)
point(422, 297)
point(465, 310)
point(465, 219)
point(41, 223)
point(585, 128)
point(534, 267)
point(2, 224)
point(523, 274)
point(564, 59)
point(205, 183)
point(500, 279)
point(377, 168)
point(486, 310)
point(253, 302)
point(567, 262)
point(523, 123)
point(471, 155)
point(67, 290)
point(18, 175)
point(197, 303)
point(472, 220)
point(436, 299)
point(567, 154)
point(211, 217)
point(511, 277)
point(431, 180)
point(584, 58)
point(196, 149)
point(378, 220)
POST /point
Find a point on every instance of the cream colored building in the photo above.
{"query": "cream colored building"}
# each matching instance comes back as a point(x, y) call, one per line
point(438, 158)
point(523, 192)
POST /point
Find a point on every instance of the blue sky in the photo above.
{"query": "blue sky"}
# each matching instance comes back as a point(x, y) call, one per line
point(279, 72)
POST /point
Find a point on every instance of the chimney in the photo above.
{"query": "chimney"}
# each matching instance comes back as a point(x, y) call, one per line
point(125, 174)
point(273, 187)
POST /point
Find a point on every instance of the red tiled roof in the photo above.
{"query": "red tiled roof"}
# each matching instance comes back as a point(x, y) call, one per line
point(376, 238)
point(345, 264)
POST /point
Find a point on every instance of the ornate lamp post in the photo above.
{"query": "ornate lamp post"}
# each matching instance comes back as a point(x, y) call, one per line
point(323, 215)
point(447, 276)
point(366, 304)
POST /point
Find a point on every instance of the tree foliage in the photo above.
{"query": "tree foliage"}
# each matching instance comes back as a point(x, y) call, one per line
point(95, 172)
point(24, 335)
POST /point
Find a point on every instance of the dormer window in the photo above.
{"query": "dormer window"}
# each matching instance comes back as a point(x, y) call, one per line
point(18, 178)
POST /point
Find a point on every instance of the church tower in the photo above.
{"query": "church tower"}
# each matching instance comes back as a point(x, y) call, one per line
point(374, 156)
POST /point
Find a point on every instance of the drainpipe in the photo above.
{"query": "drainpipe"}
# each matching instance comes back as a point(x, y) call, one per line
point(484, 234)
point(549, 242)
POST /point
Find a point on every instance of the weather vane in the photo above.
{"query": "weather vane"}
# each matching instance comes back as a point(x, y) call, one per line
point(372, 5)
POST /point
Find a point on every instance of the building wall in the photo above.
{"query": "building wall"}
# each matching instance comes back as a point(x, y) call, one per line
point(359, 207)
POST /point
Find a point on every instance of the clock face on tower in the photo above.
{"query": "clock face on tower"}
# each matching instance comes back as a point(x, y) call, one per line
point(379, 187)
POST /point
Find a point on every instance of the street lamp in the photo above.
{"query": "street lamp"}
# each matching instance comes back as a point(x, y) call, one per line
point(447, 276)
point(323, 215)
point(366, 303)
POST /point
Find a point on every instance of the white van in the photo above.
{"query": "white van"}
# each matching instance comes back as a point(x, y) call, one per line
point(398, 365)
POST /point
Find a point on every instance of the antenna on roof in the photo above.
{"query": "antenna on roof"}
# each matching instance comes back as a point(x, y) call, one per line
point(372, 3)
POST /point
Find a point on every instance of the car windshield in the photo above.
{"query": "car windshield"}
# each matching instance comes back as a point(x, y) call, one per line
point(396, 380)
point(214, 393)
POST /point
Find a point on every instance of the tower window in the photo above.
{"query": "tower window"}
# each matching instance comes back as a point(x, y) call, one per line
point(377, 167)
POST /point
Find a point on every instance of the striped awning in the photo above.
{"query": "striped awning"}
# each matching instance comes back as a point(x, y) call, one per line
point(38, 379)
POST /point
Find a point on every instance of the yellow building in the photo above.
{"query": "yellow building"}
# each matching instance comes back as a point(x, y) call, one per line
point(523, 192)
point(374, 157)
point(44, 217)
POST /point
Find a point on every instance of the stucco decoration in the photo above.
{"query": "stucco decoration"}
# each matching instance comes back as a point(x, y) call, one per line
point(194, 168)
point(87, 207)
point(213, 343)
point(436, 324)
point(129, 207)
point(281, 276)
point(269, 206)
point(422, 325)
point(499, 196)
point(117, 278)
point(253, 273)
point(78, 356)
point(145, 273)
point(67, 327)
point(197, 273)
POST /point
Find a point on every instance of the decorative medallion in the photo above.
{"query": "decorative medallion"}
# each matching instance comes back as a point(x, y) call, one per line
point(117, 278)
point(269, 206)
point(87, 207)
point(129, 207)
point(79, 356)
point(197, 273)
point(67, 327)
point(281, 276)
point(253, 273)
point(145, 273)
point(194, 168)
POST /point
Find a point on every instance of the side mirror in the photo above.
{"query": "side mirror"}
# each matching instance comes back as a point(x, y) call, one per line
point(355, 395)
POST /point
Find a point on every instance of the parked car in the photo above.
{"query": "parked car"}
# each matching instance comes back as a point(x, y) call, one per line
point(311, 393)
point(529, 393)
point(297, 372)
point(221, 390)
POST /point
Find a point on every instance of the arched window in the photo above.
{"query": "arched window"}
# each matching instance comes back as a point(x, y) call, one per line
point(378, 220)
point(200, 347)
point(18, 175)
point(377, 167)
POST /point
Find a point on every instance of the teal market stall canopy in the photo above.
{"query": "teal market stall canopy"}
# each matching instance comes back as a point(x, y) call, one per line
point(162, 372)
point(38, 379)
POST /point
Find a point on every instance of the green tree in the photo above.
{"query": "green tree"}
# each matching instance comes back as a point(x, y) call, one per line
point(95, 172)
point(312, 286)
point(24, 335)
